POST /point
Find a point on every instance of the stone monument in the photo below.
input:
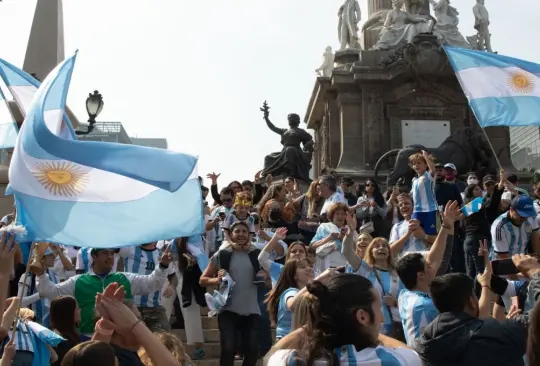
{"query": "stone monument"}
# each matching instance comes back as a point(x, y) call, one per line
point(401, 94)
point(327, 65)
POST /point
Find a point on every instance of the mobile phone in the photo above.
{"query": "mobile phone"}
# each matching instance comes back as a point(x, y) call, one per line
point(503, 267)
point(222, 215)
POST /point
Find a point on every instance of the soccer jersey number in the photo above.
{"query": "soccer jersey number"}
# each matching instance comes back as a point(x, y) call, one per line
point(150, 266)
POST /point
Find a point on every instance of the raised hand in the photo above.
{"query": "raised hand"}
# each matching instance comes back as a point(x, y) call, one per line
point(166, 257)
point(484, 279)
point(351, 221)
point(452, 213)
point(513, 312)
point(213, 177)
point(8, 247)
point(281, 233)
point(526, 264)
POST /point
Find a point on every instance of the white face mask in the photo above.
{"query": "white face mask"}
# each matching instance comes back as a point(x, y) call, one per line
point(472, 181)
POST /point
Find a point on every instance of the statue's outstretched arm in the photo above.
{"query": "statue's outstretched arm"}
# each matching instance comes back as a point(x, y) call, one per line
point(273, 128)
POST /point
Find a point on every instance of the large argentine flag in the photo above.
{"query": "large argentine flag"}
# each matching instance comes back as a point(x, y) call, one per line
point(8, 127)
point(97, 194)
point(23, 88)
point(502, 91)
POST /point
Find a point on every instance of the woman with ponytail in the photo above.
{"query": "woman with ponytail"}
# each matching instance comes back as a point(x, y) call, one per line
point(344, 328)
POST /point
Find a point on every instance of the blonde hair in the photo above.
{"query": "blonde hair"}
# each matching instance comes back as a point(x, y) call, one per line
point(173, 344)
point(370, 260)
point(420, 157)
point(302, 311)
point(312, 197)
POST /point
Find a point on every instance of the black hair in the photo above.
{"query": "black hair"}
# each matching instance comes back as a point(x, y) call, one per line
point(234, 182)
point(247, 183)
point(239, 223)
point(334, 324)
point(203, 188)
point(377, 194)
point(256, 218)
point(468, 193)
point(408, 267)
point(227, 191)
point(451, 292)
point(512, 178)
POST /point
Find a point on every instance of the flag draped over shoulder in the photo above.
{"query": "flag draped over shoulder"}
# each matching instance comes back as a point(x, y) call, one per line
point(502, 91)
point(472, 207)
point(8, 127)
point(97, 194)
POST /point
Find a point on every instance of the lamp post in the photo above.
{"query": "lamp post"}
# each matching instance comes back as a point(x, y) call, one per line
point(94, 105)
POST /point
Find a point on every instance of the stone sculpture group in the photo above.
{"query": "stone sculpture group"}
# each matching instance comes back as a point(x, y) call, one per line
point(406, 20)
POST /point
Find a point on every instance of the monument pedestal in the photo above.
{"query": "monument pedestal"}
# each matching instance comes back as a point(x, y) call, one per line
point(386, 100)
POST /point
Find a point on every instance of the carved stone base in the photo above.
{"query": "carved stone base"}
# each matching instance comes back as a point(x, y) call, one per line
point(346, 58)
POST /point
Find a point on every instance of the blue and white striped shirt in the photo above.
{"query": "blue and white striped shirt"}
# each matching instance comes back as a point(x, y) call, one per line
point(413, 244)
point(142, 262)
point(23, 337)
point(391, 284)
point(423, 192)
point(416, 310)
point(284, 314)
point(347, 356)
point(508, 238)
point(32, 300)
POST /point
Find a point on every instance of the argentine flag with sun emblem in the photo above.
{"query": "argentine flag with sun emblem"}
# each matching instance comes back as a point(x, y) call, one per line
point(502, 90)
point(97, 194)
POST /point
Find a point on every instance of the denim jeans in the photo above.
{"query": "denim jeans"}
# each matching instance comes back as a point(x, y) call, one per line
point(265, 330)
point(231, 326)
point(473, 263)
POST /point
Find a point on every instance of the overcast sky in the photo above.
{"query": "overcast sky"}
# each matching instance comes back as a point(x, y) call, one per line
point(196, 72)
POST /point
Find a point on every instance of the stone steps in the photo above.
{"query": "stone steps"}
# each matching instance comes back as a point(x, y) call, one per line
point(211, 346)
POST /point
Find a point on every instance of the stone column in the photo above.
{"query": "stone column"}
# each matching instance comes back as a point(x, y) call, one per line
point(377, 5)
point(377, 11)
point(351, 157)
point(334, 131)
point(374, 143)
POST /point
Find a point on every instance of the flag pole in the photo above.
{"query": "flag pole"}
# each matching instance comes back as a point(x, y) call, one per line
point(492, 148)
point(21, 295)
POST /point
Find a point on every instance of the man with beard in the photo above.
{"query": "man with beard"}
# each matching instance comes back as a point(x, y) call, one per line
point(464, 333)
point(446, 192)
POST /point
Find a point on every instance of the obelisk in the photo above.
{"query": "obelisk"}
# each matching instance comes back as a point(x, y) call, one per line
point(45, 47)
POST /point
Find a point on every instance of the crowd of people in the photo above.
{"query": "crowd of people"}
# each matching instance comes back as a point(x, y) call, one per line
point(344, 273)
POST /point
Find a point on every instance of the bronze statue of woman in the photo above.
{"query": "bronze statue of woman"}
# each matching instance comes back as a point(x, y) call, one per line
point(292, 160)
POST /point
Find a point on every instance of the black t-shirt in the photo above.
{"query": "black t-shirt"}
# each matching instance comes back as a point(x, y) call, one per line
point(126, 357)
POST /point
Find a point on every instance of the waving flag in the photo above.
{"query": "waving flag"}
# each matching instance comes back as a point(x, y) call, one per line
point(502, 91)
point(8, 127)
point(23, 87)
point(97, 194)
point(472, 207)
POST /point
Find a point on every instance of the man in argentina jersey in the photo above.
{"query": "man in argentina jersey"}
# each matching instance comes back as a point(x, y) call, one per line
point(143, 260)
point(513, 230)
point(407, 235)
point(416, 271)
point(84, 261)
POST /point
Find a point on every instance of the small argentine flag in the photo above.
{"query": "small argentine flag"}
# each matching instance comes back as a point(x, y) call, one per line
point(472, 207)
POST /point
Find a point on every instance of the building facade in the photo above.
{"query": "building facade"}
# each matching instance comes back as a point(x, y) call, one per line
point(525, 147)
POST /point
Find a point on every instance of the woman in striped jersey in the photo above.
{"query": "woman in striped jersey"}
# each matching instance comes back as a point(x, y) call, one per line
point(344, 328)
point(379, 267)
point(295, 276)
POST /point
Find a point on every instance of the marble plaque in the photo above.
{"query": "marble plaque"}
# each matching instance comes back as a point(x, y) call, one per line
point(429, 133)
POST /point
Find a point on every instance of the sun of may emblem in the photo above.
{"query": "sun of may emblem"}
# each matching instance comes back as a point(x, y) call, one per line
point(61, 178)
point(521, 81)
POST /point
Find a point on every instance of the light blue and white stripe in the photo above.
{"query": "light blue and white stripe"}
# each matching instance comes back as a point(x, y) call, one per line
point(472, 207)
point(416, 310)
point(502, 90)
point(130, 194)
point(8, 126)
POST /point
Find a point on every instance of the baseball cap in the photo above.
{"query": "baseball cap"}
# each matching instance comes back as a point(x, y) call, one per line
point(347, 180)
point(439, 165)
point(524, 206)
point(488, 178)
point(451, 166)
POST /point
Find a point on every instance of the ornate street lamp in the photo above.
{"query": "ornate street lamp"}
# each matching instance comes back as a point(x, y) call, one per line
point(94, 105)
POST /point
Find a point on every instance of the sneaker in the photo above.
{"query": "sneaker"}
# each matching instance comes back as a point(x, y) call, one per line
point(199, 354)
